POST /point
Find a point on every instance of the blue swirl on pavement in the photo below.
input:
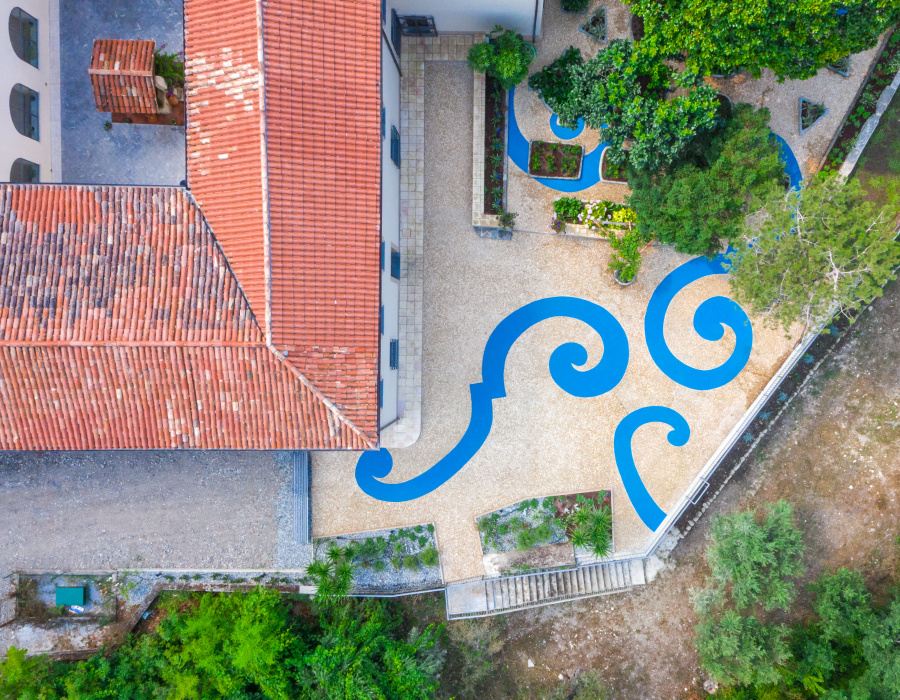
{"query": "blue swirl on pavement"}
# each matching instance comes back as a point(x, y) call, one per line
point(564, 133)
point(710, 320)
point(597, 380)
point(647, 509)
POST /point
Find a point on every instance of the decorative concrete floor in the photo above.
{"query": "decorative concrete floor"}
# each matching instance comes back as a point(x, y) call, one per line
point(544, 440)
point(130, 154)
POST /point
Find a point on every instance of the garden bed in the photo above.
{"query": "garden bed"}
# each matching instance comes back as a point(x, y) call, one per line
point(595, 27)
point(398, 558)
point(615, 173)
point(558, 161)
point(881, 76)
point(494, 146)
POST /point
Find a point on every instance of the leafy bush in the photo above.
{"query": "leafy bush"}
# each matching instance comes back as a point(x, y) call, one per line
point(429, 557)
point(701, 201)
point(479, 641)
point(504, 57)
point(575, 5)
point(626, 88)
point(758, 560)
point(170, 67)
point(737, 649)
point(625, 260)
point(568, 208)
point(794, 39)
point(585, 686)
point(553, 82)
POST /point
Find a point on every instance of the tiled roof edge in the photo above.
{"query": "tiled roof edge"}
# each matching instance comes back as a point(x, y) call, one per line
point(324, 399)
point(264, 170)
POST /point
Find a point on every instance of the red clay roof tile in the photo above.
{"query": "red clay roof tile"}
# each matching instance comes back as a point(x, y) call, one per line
point(122, 76)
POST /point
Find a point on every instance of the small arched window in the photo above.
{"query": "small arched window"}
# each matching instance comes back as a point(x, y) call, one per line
point(23, 35)
point(24, 171)
point(23, 107)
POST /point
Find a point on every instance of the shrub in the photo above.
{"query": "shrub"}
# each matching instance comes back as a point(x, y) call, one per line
point(701, 201)
point(568, 208)
point(625, 260)
point(479, 641)
point(758, 559)
point(738, 649)
point(575, 5)
point(553, 82)
point(626, 88)
point(585, 686)
point(411, 562)
point(429, 557)
point(504, 57)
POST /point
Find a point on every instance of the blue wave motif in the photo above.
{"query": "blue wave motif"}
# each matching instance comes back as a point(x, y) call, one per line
point(597, 380)
point(710, 320)
point(647, 509)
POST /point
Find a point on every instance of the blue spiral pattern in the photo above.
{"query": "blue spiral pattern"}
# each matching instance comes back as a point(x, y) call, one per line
point(710, 320)
point(647, 509)
point(564, 360)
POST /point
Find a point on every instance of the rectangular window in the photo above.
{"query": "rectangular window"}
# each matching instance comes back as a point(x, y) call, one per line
point(417, 25)
point(395, 354)
point(383, 11)
point(381, 320)
point(380, 393)
point(382, 256)
point(395, 146)
point(23, 106)
point(382, 123)
point(395, 264)
point(395, 31)
point(23, 35)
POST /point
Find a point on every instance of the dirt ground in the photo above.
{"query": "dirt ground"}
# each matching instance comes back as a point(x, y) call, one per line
point(833, 456)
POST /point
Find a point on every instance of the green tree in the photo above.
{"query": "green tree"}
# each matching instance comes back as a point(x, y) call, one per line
point(702, 199)
point(793, 39)
point(802, 257)
point(843, 605)
point(758, 555)
point(737, 649)
point(627, 89)
point(505, 57)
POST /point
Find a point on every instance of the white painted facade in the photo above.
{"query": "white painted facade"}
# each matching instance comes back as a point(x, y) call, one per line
point(524, 16)
point(44, 80)
point(390, 233)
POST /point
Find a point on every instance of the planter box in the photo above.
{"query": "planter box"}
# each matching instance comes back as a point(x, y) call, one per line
point(559, 150)
point(599, 13)
point(602, 164)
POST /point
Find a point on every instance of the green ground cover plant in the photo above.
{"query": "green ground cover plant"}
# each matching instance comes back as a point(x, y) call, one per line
point(794, 39)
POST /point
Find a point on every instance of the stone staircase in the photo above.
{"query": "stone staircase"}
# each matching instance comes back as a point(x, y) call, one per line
point(493, 596)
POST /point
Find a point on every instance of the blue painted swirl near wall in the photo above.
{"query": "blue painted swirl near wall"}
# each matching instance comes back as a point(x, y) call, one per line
point(710, 320)
point(597, 380)
point(647, 509)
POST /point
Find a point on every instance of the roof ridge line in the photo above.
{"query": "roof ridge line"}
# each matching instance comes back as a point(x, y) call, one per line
point(324, 399)
point(134, 343)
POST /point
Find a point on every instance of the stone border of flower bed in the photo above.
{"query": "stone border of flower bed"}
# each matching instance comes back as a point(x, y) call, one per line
point(838, 139)
point(623, 183)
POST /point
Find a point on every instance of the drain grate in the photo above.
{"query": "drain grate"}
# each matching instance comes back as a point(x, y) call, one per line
point(301, 497)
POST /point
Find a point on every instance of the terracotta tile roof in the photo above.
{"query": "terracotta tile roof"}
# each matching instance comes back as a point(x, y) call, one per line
point(323, 135)
point(285, 162)
point(122, 326)
point(122, 76)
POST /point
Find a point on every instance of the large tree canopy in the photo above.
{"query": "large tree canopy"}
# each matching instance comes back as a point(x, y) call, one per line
point(702, 199)
point(805, 256)
point(794, 39)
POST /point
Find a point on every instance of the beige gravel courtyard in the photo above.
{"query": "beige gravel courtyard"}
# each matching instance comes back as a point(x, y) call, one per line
point(543, 441)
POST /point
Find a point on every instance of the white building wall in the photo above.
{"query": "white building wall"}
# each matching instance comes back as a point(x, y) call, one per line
point(390, 231)
point(41, 79)
point(475, 15)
